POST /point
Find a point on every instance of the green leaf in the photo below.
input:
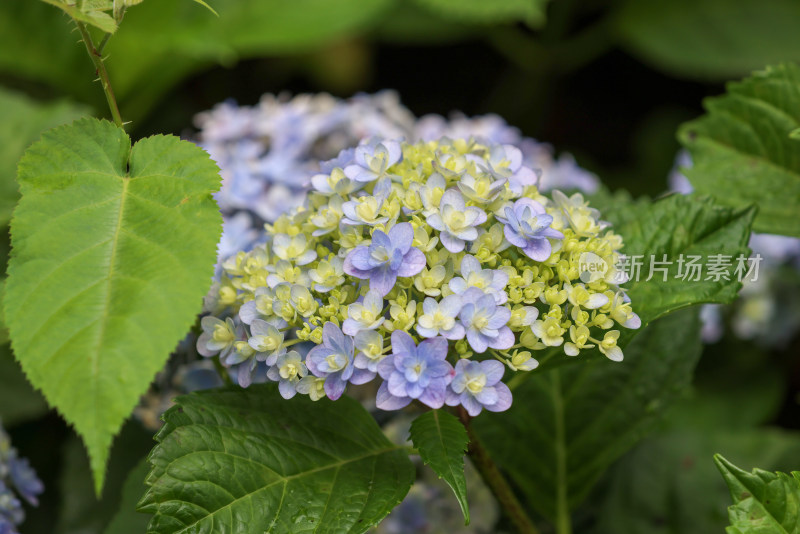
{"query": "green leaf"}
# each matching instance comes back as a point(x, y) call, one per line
point(87, 14)
point(23, 122)
point(483, 12)
point(764, 502)
point(127, 520)
point(743, 151)
point(668, 484)
point(248, 460)
point(113, 250)
point(566, 426)
point(710, 39)
point(678, 226)
point(208, 7)
point(442, 441)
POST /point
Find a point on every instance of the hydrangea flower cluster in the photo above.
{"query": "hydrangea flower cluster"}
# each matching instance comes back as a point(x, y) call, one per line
point(17, 480)
point(431, 266)
point(268, 153)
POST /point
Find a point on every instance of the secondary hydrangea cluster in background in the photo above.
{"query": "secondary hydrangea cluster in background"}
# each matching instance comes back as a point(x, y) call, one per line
point(768, 309)
point(431, 266)
point(269, 152)
point(17, 481)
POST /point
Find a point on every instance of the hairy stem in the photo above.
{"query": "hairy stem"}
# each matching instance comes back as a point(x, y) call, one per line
point(494, 479)
point(100, 69)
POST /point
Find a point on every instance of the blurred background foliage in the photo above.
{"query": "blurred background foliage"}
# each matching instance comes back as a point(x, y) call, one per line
point(608, 80)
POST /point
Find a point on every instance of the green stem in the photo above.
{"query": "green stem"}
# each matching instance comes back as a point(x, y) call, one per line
point(100, 69)
point(494, 479)
point(563, 525)
point(103, 43)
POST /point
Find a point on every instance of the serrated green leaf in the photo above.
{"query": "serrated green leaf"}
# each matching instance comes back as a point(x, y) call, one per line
point(97, 18)
point(668, 484)
point(764, 502)
point(127, 520)
point(23, 122)
point(710, 39)
point(743, 151)
point(442, 442)
point(483, 12)
point(678, 226)
point(250, 461)
point(581, 418)
point(113, 250)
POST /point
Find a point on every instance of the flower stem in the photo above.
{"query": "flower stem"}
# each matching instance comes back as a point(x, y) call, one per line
point(494, 479)
point(100, 69)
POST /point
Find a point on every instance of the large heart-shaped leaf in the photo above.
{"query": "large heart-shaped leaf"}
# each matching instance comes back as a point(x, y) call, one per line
point(113, 250)
point(745, 149)
point(250, 461)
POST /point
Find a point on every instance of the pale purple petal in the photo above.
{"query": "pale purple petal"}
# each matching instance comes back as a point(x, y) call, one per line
point(504, 340)
point(387, 401)
point(493, 370)
point(402, 343)
point(451, 243)
point(477, 341)
point(537, 249)
point(413, 263)
point(287, 389)
point(397, 385)
point(334, 386)
point(361, 376)
point(434, 394)
point(487, 395)
point(382, 281)
point(386, 367)
point(503, 398)
point(513, 237)
point(472, 406)
point(401, 236)
point(435, 347)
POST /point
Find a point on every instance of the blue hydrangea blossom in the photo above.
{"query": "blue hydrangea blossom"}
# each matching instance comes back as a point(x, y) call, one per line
point(414, 372)
point(477, 385)
point(387, 257)
point(527, 226)
point(485, 322)
point(334, 361)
